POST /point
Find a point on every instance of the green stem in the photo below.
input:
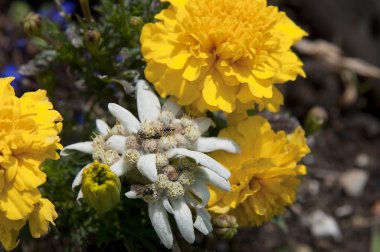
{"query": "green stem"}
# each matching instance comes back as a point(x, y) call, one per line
point(84, 4)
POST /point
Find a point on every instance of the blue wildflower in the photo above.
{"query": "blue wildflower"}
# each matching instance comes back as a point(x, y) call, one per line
point(12, 70)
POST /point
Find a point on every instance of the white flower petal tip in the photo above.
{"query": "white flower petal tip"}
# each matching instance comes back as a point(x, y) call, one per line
point(167, 205)
point(209, 144)
point(126, 118)
point(85, 147)
point(78, 178)
point(202, 159)
point(214, 178)
point(148, 105)
point(204, 226)
point(102, 127)
point(184, 219)
point(171, 106)
point(79, 197)
point(147, 166)
point(204, 123)
point(132, 195)
point(117, 143)
point(160, 223)
point(201, 191)
point(120, 167)
point(203, 221)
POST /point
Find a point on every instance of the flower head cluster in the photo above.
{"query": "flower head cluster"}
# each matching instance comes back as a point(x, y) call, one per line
point(28, 136)
point(264, 176)
point(100, 187)
point(221, 54)
point(167, 153)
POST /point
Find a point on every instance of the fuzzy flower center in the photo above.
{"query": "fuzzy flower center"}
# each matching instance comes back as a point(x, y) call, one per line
point(156, 137)
point(173, 181)
point(159, 136)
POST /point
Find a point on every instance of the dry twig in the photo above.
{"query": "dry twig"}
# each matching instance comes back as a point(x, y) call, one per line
point(333, 56)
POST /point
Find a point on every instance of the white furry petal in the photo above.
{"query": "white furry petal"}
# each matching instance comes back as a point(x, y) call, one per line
point(79, 197)
point(167, 204)
point(78, 178)
point(126, 118)
point(204, 123)
point(203, 225)
point(213, 178)
point(147, 166)
point(203, 221)
point(202, 159)
point(171, 106)
point(102, 127)
point(120, 167)
point(201, 191)
point(184, 219)
point(117, 143)
point(209, 144)
point(160, 222)
point(148, 105)
point(85, 147)
point(132, 195)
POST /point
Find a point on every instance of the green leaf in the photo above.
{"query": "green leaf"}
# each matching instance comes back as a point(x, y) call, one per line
point(375, 241)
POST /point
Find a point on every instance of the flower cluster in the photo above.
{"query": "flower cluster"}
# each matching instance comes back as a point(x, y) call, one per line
point(220, 54)
point(164, 157)
point(28, 136)
point(264, 175)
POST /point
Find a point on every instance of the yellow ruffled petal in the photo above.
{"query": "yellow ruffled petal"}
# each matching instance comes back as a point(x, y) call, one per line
point(29, 128)
point(264, 175)
point(43, 214)
point(229, 52)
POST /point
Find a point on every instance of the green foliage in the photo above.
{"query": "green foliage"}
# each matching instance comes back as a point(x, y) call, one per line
point(375, 241)
point(82, 75)
point(127, 222)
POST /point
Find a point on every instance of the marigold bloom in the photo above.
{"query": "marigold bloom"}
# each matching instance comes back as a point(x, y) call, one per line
point(221, 54)
point(264, 176)
point(28, 136)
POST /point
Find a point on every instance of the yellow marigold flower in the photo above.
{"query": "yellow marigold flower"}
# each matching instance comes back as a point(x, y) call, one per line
point(264, 176)
point(29, 129)
point(221, 54)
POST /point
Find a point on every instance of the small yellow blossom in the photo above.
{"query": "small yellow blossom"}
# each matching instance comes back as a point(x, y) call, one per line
point(221, 54)
point(100, 187)
point(264, 176)
point(29, 129)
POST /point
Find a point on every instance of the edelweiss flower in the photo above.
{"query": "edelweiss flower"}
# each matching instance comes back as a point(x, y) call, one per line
point(264, 176)
point(28, 136)
point(168, 152)
point(221, 54)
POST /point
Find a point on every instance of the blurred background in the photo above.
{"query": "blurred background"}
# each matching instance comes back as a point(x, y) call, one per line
point(338, 207)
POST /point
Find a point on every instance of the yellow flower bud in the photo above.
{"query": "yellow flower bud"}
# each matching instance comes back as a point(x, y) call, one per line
point(225, 226)
point(100, 187)
point(32, 24)
point(136, 21)
point(316, 118)
point(92, 38)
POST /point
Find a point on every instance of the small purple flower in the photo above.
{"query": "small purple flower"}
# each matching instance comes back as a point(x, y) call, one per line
point(118, 58)
point(79, 118)
point(69, 7)
point(12, 70)
point(21, 44)
point(53, 13)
